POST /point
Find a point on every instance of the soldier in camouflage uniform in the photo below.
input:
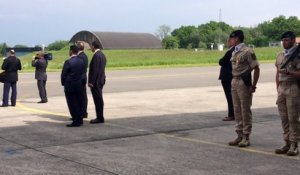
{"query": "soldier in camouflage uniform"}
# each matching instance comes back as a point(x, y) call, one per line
point(288, 88)
point(242, 87)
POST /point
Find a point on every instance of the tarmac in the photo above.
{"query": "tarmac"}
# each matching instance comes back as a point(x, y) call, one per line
point(151, 132)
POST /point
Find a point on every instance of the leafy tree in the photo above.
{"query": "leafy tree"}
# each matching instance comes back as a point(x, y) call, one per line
point(184, 34)
point(273, 29)
point(3, 49)
point(214, 32)
point(170, 42)
point(163, 31)
point(57, 45)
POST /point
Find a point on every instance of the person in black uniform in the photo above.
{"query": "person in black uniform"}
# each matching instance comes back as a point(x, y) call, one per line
point(40, 64)
point(226, 77)
point(71, 80)
point(84, 58)
point(10, 65)
point(96, 80)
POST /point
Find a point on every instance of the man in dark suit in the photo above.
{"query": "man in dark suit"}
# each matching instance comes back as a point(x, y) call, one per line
point(11, 65)
point(96, 80)
point(40, 64)
point(84, 58)
point(226, 77)
point(71, 80)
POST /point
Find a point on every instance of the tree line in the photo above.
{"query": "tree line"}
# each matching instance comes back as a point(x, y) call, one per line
point(213, 32)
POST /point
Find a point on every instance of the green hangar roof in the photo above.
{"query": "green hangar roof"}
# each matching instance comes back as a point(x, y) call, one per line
point(119, 40)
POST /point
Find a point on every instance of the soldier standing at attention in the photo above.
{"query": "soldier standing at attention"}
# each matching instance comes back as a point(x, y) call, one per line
point(287, 81)
point(242, 87)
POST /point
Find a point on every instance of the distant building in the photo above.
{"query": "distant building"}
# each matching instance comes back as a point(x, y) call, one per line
point(22, 51)
point(275, 44)
point(119, 40)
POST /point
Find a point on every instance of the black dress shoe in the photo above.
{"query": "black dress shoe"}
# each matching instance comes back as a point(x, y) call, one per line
point(94, 121)
point(42, 101)
point(4, 106)
point(73, 125)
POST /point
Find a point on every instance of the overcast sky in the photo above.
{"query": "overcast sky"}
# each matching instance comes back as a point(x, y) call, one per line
point(34, 22)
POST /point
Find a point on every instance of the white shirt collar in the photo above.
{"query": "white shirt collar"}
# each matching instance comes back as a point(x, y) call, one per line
point(97, 50)
point(72, 56)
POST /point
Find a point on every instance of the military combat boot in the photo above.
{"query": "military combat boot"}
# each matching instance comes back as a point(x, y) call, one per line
point(284, 149)
point(237, 140)
point(293, 151)
point(245, 142)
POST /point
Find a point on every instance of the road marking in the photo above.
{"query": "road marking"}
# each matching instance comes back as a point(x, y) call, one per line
point(248, 149)
point(25, 108)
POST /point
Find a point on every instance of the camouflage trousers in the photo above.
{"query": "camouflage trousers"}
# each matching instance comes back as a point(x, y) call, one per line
point(288, 103)
point(242, 101)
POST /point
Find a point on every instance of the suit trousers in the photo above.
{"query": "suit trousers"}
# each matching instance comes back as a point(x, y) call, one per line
point(289, 110)
point(227, 90)
point(42, 89)
point(98, 101)
point(74, 102)
point(6, 89)
point(242, 101)
point(85, 98)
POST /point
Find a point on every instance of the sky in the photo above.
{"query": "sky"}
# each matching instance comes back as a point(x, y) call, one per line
point(37, 22)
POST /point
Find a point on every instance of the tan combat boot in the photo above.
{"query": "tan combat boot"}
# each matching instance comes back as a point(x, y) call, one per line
point(245, 142)
point(284, 149)
point(293, 151)
point(237, 140)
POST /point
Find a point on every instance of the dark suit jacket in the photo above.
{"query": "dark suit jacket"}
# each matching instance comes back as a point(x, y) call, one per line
point(71, 74)
point(11, 65)
point(85, 60)
point(40, 68)
point(97, 69)
point(226, 67)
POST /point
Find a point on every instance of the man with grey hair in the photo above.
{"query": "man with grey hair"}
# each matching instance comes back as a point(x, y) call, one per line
point(85, 60)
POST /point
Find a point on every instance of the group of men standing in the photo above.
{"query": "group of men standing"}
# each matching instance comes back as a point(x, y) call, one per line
point(74, 80)
point(239, 86)
point(73, 77)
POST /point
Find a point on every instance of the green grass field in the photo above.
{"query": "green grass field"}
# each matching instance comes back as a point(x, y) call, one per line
point(142, 59)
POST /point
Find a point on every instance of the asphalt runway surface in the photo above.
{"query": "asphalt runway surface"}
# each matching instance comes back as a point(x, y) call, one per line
point(158, 122)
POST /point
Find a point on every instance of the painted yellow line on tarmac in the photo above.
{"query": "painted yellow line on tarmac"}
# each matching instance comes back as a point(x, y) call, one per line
point(248, 149)
point(25, 108)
